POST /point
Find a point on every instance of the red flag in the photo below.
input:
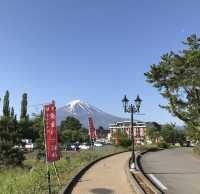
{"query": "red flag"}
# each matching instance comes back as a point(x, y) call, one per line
point(51, 136)
point(92, 130)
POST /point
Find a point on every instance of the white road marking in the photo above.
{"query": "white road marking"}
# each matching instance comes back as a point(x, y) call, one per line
point(157, 182)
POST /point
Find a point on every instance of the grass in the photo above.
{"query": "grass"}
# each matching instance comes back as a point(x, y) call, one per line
point(32, 178)
point(143, 148)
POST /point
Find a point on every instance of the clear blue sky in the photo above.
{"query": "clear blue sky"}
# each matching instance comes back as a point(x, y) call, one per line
point(93, 50)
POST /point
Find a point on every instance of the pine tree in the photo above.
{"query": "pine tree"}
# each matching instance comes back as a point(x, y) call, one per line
point(176, 77)
point(24, 104)
point(12, 113)
point(6, 105)
point(25, 125)
point(10, 154)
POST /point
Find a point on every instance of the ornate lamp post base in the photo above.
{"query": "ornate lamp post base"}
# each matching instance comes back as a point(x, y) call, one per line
point(132, 166)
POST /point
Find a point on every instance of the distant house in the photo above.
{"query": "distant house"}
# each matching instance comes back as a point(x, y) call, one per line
point(139, 129)
point(28, 145)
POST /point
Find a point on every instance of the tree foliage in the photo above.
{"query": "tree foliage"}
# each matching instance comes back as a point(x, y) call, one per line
point(101, 132)
point(177, 79)
point(10, 153)
point(6, 105)
point(70, 123)
point(38, 126)
point(26, 128)
point(24, 104)
point(154, 132)
point(181, 137)
point(124, 140)
point(71, 131)
point(168, 133)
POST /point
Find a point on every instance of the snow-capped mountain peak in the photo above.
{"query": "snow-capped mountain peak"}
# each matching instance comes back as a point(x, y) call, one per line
point(74, 102)
point(81, 110)
point(77, 106)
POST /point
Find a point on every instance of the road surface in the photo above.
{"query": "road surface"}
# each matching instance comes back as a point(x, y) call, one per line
point(176, 169)
point(106, 177)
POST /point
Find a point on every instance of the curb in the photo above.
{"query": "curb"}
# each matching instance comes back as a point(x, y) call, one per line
point(138, 161)
point(132, 180)
point(72, 182)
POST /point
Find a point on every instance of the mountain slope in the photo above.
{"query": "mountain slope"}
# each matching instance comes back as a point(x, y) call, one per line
point(82, 110)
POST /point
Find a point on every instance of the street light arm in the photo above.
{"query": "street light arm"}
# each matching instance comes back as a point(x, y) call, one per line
point(131, 109)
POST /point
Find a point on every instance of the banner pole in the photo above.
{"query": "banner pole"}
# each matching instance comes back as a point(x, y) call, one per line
point(45, 145)
point(91, 131)
point(49, 179)
point(54, 165)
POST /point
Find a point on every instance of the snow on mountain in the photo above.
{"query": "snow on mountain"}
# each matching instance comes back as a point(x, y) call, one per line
point(81, 111)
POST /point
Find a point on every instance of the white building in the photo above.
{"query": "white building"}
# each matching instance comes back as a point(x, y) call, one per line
point(139, 130)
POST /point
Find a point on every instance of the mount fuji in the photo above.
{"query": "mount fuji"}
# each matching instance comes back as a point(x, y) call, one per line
point(81, 111)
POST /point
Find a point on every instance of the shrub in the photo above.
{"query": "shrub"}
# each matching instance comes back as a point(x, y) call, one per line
point(196, 149)
point(125, 141)
point(163, 145)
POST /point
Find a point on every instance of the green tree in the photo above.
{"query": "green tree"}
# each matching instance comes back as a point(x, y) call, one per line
point(12, 113)
point(154, 132)
point(177, 79)
point(124, 141)
point(70, 130)
point(180, 136)
point(38, 126)
point(6, 105)
point(70, 123)
point(24, 104)
point(168, 133)
point(101, 132)
point(10, 153)
point(27, 130)
point(26, 125)
point(84, 135)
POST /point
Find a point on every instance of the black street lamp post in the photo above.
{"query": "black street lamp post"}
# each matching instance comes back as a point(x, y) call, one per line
point(132, 109)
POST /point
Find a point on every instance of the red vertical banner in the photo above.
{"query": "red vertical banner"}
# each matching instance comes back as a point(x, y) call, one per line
point(51, 136)
point(92, 130)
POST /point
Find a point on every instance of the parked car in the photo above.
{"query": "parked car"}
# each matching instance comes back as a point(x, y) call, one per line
point(97, 144)
point(103, 141)
point(72, 147)
point(69, 147)
point(84, 146)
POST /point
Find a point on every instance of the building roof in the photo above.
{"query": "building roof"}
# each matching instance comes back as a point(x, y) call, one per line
point(127, 123)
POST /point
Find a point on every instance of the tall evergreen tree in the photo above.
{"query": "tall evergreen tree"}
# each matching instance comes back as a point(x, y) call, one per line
point(26, 125)
point(6, 105)
point(24, 104)
point(10, 154)
point(12, 113)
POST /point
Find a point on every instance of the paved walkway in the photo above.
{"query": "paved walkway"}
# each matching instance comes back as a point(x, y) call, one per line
point(106, 177)
point(177, 169)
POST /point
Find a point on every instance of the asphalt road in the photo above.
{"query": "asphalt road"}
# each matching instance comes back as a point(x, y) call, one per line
point(106, 177)
point(177, 169)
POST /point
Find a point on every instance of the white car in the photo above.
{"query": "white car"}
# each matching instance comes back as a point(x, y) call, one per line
point(84, 147)
point(97, 144)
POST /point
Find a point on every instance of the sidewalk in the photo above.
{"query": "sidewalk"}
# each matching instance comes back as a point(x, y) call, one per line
point(106, 177)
